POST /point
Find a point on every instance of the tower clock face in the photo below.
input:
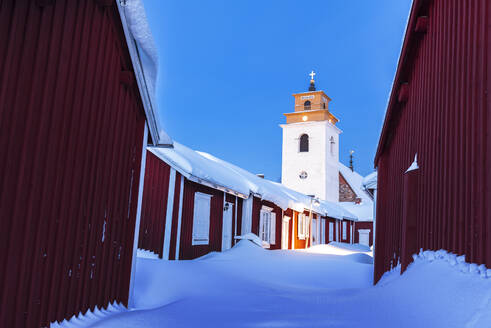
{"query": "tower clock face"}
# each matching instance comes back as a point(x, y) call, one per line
point(303, 175)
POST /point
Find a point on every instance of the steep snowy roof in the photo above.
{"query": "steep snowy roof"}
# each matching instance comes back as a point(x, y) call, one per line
point(207, 169)
point(144, 57)
point(282, 196)
point(200, 169)
point(362, 211)
point(370, 181)
point(355, 181)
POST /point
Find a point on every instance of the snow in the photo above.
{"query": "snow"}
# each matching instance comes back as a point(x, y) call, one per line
point(414, 164)
point(355, 181)
point(282, 196)
point(136, 20)
point(208, 168)
point(370, 181)
point(143, 253)
point(190, 163)
point(362, 211)
point(253, 238)
point(248, 286)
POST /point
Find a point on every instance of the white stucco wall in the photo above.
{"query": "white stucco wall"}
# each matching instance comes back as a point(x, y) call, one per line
point(320, 164)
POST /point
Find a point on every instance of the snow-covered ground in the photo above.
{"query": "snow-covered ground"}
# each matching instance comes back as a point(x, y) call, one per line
point(326, 286)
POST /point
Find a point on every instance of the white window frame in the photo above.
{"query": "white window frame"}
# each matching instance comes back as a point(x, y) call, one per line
point(267, 225)
point(302, 224)
point(345, 228)
point(285, 235)
point(331, 231)
point(201, 219)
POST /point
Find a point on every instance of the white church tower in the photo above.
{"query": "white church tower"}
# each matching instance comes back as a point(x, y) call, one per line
point(311, 146)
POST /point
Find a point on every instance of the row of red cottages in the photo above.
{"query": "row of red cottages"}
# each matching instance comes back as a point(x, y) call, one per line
point(175, 207)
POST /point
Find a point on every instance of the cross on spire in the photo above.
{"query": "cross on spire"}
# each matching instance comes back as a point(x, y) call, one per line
point(312, 74)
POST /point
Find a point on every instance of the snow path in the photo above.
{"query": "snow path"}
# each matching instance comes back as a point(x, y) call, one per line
point(251, 287)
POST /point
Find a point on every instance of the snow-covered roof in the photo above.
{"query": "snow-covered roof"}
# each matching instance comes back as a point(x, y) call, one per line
point(207, 169)
point(284, 197)
point(144, 57)
point(370, 181)
point(355, 181)
point(200, 169)
point(362, 211)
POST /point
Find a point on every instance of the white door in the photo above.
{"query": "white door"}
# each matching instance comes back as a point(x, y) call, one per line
point(331, 231)
point(364, 237)
point(285, 229)
point(315, 240)
point(323, 231)
point(227, 226)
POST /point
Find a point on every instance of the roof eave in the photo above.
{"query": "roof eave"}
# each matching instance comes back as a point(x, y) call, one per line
point(149, 108)
point(397, 79)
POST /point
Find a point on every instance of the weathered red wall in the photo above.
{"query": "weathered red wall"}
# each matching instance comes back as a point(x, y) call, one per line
point(70, 142)
point(445, 120)
point(290, 213)
point(363, 225)
point(239, 217)
point(175, 217)
point(328, 219)
point(154, 204)
point(256, 215)
point(348, 225)
point(187, 250)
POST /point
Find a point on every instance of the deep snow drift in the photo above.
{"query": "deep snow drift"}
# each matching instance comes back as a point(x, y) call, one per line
point(248, 286)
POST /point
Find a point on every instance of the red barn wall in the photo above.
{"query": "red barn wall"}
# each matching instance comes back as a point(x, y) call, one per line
point(154, 204)
point(256, 215)
point(363, 225)
point(329, 219)
point(70, 142)
point(290, 213)
point(239, 217)
point(175, 217)
point(187, 250)
point(445, 120)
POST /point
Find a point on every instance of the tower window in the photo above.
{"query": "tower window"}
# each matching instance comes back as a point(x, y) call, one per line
point(332, 145)
point(304, 143)
point(306, 105)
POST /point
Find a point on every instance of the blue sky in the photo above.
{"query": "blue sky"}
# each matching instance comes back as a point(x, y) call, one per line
point(228, 70)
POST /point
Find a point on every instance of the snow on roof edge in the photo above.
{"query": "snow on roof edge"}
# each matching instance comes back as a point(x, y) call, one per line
point(144, 57)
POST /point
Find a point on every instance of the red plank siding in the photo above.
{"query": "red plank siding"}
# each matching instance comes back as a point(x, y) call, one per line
point(445, 120)
point(70, 140)
point(187, 250)
point(175, 217)
point(363, 225)
point(256, 215)
point(154, 204)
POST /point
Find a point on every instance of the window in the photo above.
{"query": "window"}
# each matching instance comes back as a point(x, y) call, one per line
point(201, 219)
point(302, 226)
point(304, 143)
point(331, 145)
point(323, 105)
point(267, 225)
point(344, 230)
point(307, 105)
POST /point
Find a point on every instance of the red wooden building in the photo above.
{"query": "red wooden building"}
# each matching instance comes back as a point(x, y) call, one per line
point(74, 117)
point(190, 205)
point(438, 118)
point(194, 203)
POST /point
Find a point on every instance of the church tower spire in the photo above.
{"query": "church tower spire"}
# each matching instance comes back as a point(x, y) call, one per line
point(312, 81)
point(311, 146)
